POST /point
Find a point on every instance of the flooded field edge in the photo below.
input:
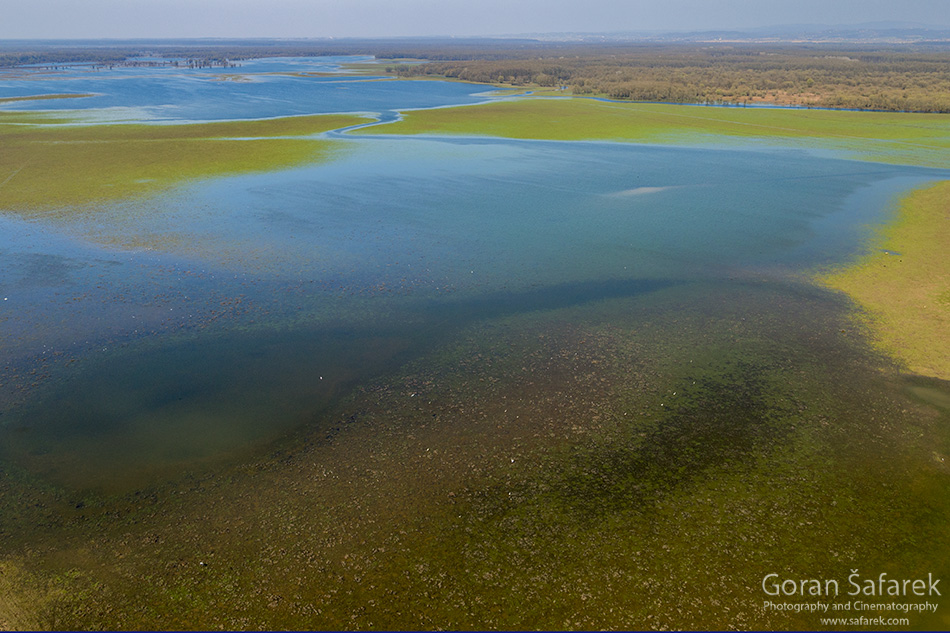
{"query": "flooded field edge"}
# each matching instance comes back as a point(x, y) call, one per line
point(896, 138)
point(901, 282)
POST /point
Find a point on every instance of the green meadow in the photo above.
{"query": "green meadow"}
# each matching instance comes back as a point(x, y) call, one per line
point(52, 164)
point(43, 97)
point(904, 283)
point(920, 139)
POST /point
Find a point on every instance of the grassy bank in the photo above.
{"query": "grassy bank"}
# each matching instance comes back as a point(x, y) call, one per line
point(904, 284)
point(919, 139)
point(50, 166)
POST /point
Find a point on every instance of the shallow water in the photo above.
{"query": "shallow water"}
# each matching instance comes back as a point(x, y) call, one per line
point(507, 213)
point(361, 360)
point(391, 245)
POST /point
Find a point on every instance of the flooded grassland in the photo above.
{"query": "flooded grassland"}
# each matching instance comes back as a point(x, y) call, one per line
point(455, 380)
point(902, 138)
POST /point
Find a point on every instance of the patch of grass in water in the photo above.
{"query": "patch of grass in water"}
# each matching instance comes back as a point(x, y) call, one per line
point(917, 139)
point(44, 97)
point(53, 169)
point(723, 418)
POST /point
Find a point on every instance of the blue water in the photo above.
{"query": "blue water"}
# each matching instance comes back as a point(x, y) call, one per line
point(233, 310)
point(256, 89)
point(513, 214)
point(428, 218)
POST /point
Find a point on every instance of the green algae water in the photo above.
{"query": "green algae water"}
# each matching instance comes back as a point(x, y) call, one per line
point(464, 383)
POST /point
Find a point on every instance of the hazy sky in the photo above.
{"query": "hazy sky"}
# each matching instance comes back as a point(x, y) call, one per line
point(375, 18)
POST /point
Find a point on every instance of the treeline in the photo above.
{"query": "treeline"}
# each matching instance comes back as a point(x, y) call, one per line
point(913, 77)
point(10, 59)
point(878, 79)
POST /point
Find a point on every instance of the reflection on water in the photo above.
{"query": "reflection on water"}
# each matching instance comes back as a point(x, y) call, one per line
point(507, 213)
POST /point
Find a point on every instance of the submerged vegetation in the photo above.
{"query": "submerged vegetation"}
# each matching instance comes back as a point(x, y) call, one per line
point(597, 466)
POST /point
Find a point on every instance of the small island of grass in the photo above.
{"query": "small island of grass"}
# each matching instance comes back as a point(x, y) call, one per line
point(54, 165)
point(898, 138)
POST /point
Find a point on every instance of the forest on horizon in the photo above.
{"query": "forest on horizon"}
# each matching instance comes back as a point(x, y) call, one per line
point(908, 77)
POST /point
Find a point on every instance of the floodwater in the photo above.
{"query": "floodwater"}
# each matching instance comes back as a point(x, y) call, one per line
point(193, 330)
point(416, 228)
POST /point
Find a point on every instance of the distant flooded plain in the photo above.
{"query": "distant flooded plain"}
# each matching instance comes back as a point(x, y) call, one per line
point(448, 382)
